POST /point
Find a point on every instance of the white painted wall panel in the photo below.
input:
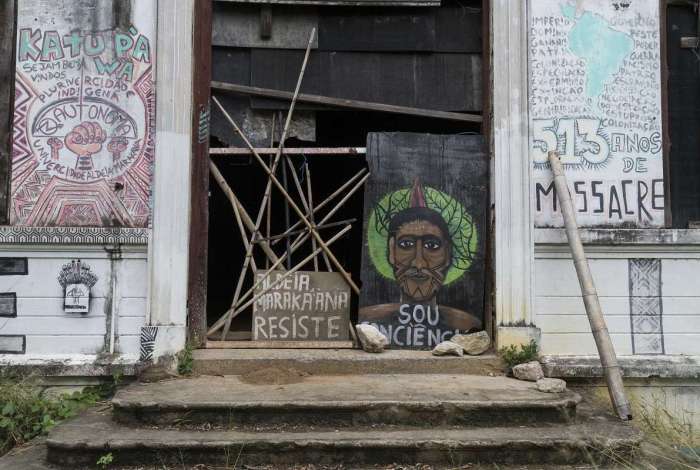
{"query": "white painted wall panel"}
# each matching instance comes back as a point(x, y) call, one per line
point(566, 305)
point(616, 323)
point(581, 344)
point(129, 345)
point(48, 345)
point(132, 306)
point(41, 280)
point(557, 277)
point(681, 277)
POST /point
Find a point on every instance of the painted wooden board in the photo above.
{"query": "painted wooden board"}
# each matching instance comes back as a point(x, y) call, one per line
point(425, 225)
point(415, 80)
point(450, 28)
point(595, 96)
point(236, 25)
point(83, 139)
point(304, 306)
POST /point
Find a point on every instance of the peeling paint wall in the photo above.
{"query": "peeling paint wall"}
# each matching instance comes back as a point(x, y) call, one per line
point(83, 137)
point(595, 96)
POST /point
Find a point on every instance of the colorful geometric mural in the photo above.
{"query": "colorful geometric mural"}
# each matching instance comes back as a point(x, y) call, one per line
point(83, 133)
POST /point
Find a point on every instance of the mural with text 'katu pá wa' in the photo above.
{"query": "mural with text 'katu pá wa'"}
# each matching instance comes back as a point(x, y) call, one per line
point(423, 263)
point(595, 97)
point(83, 134)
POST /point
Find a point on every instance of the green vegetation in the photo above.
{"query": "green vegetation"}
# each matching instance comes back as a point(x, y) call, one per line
point(513, 355)
point(185, 361)
point(105, 461)
point(26, 413)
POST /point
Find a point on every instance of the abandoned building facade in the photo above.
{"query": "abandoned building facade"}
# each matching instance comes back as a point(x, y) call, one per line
point(413, 192)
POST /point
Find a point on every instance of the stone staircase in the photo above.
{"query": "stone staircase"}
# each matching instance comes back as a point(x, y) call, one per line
point(443, 419)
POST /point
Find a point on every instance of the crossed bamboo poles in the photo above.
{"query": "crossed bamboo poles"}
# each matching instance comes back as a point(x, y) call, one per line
point(306, 217)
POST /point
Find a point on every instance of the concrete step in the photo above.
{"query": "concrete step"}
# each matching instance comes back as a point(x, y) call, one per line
point(80, 442)
point(340, 362)
point(318, 402)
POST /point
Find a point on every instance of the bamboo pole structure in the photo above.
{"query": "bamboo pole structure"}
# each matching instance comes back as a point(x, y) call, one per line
point(326, 201)
point(606, 351)
point(271, 174)
point(291, 202)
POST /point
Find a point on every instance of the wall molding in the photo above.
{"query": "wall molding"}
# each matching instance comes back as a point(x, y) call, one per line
point(616, 237)
point(514, 248)
point(21, 235)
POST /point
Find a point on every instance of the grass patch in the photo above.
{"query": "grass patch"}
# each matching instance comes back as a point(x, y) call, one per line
point(185, 360)
point(26, 413)
point(513, 355)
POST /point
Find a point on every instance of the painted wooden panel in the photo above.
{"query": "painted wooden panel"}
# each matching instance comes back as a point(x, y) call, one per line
point(53, 307)
point(595, 96)
point(557, 277)
point(55, 325)
point(581, 344)
point(83, 137)
point(132, 306)
point(42, 282)
point(129, 345)
point(616, 323)
point(417, 80)
point(236, 25)
point(425, 223)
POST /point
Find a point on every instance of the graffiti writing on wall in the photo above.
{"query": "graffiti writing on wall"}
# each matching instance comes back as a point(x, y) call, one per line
point(595, 98)
point(84, 125)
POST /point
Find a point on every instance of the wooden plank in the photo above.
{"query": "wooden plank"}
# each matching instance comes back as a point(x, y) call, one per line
point(459, 29)
point(412, 79)
point(345, 103)
point(425, 223)
point(279, 345)
point(290, 151)
point(199, 195)
point(348, 29)
point(7, 79)
point(236, 25)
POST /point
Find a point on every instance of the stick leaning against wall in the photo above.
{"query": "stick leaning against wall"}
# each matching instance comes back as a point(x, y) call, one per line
point(606, 351)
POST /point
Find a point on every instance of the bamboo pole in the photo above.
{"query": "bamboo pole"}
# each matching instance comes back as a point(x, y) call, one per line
point(606, 351)
point(240, 212)
point(326, 201)
point(235, 310)
point(270, 172)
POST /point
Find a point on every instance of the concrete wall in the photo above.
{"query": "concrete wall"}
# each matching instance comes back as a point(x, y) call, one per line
point(650, 295)
point(39, 327)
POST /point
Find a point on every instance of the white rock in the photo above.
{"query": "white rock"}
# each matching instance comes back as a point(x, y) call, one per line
point(448, 348)
point(473, 344)
point(551, 385)
point(531, 371)
point(371, 339)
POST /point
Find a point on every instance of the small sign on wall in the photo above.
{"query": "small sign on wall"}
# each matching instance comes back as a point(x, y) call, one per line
point(304, 306)
point(77, 279)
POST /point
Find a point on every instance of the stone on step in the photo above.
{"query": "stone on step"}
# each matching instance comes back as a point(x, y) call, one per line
point(473, 344)
point(551, 385)
point(448, 348)
point(371, 339)
point(530, 371)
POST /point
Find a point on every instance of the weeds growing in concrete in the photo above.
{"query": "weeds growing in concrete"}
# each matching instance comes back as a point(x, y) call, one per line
point(513, 355)
point(185, 360)
point(26, 413)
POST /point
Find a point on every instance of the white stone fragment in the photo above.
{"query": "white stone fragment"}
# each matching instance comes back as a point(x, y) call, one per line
point(474, 343)
point(551, 385)
point(371, 339)
point(448, 348)
point(531, 371)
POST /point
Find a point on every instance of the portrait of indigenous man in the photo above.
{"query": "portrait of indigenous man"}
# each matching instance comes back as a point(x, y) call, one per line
point(428, 242)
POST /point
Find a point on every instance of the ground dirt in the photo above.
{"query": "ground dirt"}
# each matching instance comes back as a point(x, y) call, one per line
point(274, 376)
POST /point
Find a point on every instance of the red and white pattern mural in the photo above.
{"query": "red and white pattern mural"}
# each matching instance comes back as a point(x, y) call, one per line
point(84, 124)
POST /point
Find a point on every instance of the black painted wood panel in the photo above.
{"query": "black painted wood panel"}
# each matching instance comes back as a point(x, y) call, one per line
point(457, 167)
point(684, 118)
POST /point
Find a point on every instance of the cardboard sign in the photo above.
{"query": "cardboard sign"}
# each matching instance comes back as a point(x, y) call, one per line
point(425, 226)
point(303, 306)
point(77, 299)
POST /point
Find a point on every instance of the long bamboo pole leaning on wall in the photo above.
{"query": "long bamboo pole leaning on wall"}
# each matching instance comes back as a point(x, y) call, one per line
point(606, 351)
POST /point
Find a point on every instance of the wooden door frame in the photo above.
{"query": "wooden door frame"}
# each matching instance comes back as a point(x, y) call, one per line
point(199, 195)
